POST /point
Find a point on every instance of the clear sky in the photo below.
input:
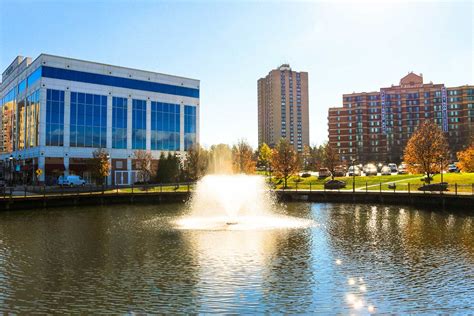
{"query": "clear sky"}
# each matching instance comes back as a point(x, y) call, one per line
point(344, 46)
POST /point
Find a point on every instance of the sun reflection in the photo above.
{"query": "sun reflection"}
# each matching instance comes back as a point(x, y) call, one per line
point(338, 262)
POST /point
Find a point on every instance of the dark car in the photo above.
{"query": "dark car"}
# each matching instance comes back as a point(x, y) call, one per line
point(334, 185)
point(340, 171)
point(442, 186)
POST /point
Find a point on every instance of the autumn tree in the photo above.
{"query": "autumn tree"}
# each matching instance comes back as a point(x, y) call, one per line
point(426, 150)
point(99, 165)
point(330, 158)
point(305, 157)
point(195, 163)
point(284, 160)
point(242, 158)
point(466, 159)
point(143, 164)
point(265, 157)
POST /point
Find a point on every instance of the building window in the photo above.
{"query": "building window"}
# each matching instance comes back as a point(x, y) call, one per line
point(119, 122)
point(88, 120)
point(189, 126)
point(54, 117)
point(165, 126)
point(138, 124)
point(32, 119)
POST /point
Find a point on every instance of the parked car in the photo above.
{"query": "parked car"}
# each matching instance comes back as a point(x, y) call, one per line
point(370, 170)
point(340, 171)
point(453, 168)
point(71, 181)
point(442, 186)
point(334, 184)
point(386, 171)
point(324, 173)
point(393, 167)
point(402, 169)
point(354, 171)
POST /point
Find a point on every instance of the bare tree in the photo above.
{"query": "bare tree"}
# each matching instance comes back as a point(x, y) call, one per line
point(426, 150)
point(143, 164)
point(330, 158)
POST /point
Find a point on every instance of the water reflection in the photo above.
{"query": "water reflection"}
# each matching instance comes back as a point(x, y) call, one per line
point(359, 259)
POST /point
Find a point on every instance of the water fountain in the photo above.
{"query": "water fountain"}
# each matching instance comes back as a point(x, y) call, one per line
point(236, 202)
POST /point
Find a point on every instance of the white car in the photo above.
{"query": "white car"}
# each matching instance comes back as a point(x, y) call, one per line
point(71, 180)
point(386, 171)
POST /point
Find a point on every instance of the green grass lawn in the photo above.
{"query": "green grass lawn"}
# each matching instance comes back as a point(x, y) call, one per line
point(463, 180)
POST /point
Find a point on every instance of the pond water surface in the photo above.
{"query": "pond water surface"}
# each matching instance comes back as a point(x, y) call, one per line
point(356, 259)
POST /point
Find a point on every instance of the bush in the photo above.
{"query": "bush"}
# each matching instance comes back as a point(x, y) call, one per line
point(306, 175)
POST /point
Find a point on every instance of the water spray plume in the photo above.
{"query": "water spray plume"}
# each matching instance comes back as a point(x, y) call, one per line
point(235, 202)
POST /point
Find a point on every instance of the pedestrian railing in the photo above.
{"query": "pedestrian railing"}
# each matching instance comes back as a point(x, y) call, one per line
point(9, 192)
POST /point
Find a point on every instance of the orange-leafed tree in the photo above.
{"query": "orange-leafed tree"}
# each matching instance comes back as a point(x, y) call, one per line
point(243, 158)
point(284, 160)
point(466, 159)
point(426, 150)
point(330, 158)
point(99, 165)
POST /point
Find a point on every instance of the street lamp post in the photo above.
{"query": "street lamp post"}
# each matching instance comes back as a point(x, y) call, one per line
point(11, 169)
point(108, 158)
point(353, 175)
point(441, 167)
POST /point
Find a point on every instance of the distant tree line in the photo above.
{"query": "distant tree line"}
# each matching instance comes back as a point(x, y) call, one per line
point(426, 152)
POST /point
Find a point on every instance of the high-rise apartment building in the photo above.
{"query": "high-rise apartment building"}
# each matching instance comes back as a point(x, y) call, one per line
point(283, 107)
point(56, 111)
point(375, 126)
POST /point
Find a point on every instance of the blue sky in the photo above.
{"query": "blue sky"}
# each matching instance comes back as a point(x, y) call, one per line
point(344, 46)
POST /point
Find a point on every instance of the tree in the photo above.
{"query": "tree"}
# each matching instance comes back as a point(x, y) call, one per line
point(169, 168)
point(100, 165)
point(242, 158)
point(196, 163)
point(316, 157)
point(466, 159)
point(330, 158)
point(284, 160)
point(305, 157)
point(265, 156)
point(220, 159)
point(426, 150)
point(143, 164)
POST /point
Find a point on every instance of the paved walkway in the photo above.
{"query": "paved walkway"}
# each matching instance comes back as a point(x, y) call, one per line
point(388, 182)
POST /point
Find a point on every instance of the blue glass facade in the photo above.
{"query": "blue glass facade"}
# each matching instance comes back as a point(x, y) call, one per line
point(54, 117)
point(189, 126)
point(34, 76)
point(165, 126)
point(88, 120)
point(87, 77)
point(119, 123)
point(86, 112)
point(138, 124)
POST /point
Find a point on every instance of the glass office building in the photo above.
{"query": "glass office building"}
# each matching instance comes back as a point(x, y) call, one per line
point(56, 111)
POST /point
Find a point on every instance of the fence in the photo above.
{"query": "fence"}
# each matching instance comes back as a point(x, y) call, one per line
point(410, 188)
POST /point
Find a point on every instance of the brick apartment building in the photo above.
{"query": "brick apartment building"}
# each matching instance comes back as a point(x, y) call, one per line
point(375, 126)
